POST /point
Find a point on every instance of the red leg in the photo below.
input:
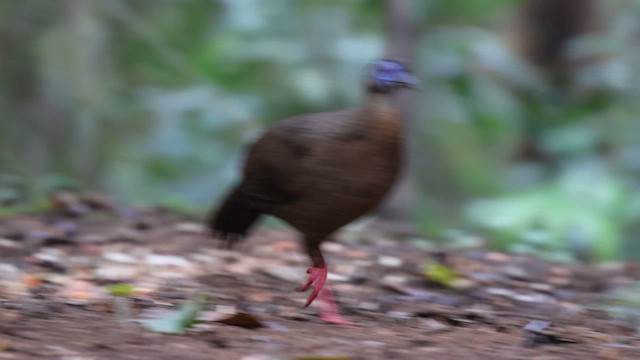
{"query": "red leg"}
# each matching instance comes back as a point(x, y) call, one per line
point(317, 279)
point(328, 308)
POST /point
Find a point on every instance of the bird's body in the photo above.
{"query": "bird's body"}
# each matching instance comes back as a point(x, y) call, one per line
point(317, 172)
point(320, 172)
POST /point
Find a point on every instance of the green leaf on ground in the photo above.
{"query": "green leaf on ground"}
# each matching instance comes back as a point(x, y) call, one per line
point(441, 274)
point(121, 289)
point(175, 322)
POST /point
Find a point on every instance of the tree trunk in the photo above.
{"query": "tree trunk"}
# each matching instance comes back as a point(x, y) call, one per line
point(402, 35)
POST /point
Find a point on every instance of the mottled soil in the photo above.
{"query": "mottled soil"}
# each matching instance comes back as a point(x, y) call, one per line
point(54, 303)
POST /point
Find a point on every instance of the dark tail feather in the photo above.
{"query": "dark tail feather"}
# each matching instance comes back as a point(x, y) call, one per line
point(233, 218)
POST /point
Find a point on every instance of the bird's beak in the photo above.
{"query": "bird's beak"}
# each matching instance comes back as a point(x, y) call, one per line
point(411, 82)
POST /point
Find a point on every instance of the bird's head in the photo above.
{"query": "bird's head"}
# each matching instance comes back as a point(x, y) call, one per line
point(385, 76)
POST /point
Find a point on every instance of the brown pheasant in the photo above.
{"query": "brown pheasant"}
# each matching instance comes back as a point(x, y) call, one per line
point(319, 172)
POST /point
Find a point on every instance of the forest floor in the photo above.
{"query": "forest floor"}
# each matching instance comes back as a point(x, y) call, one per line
point(61, 297)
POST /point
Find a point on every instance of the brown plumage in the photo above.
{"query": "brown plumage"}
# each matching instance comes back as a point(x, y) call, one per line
point(319, 172)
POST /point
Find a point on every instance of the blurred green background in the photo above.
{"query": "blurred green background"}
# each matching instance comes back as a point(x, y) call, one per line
point(525, 136)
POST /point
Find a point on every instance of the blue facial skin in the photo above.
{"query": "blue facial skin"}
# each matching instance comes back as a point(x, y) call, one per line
point(389, 74)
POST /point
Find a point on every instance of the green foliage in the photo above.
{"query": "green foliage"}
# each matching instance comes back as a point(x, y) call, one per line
point(481, 101)
point(579, 213)
point(23, 195)
point(623, 303)
point(153, 102)
point(468, 11)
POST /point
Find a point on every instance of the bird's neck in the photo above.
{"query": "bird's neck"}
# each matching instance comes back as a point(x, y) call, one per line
point(380, 107)
point(381, 118)
point(379, 100)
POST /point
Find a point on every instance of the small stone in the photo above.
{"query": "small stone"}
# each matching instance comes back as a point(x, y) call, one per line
point(389, 261)
point(533, 298)
point(371, 343)
point(122, 307)
point(261, 338)
point(462, 284)
point(203, 328)
point(333, 247)
point(9, 272)
point(47, 257)
point(541, 287)
point(124, 234)
point(346, 269)
point(294, 315)
point(484, 277)
point(31, 282)
point(369, 306)
point(189, 228)
point(278, 247)
point(4, 345)
point(116, 272)
point(50, 261)
point(559, 271)
point(67, 203)
point(559, 281)
point(357, 254)
point(395, 314)
point(395, 279)
point(118, 234)
point(94, 239)
point(610, 353)
point(260, 357)
point(282, 272)
point(9, 316)
point(432, 325)
point(410, 291)
point(571, 308)
point(496, 256)
point(243, 266)
point(500, 292)
point(166, 260)
point(119, 257)
point(80, 292)
point(97, 201)
point(613, 266)
point(9, 244)
point(515, 273)
point(260, 297)
point(537, 326)
point(461, 321)
point(431, 350)
point(331, 276)
point(226, 309)
point(12, 288)
point(276, 326)
point(345, 288)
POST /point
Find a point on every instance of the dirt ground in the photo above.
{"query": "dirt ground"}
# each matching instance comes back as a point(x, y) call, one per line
point(55, 302)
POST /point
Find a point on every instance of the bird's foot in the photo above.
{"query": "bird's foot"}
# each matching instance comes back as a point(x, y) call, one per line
point(328, 307)
point(317, 279)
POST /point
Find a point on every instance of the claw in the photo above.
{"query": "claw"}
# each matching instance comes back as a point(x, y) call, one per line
point(329, 310)
point(317, 278)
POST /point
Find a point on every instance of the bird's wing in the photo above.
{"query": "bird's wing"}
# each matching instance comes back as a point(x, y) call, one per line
point(281, 164)
point(274, 169)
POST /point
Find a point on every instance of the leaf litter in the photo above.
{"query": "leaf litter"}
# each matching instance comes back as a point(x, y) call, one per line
point(121, 284)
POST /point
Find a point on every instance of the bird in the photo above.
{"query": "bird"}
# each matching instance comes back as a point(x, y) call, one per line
point(319, 172)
